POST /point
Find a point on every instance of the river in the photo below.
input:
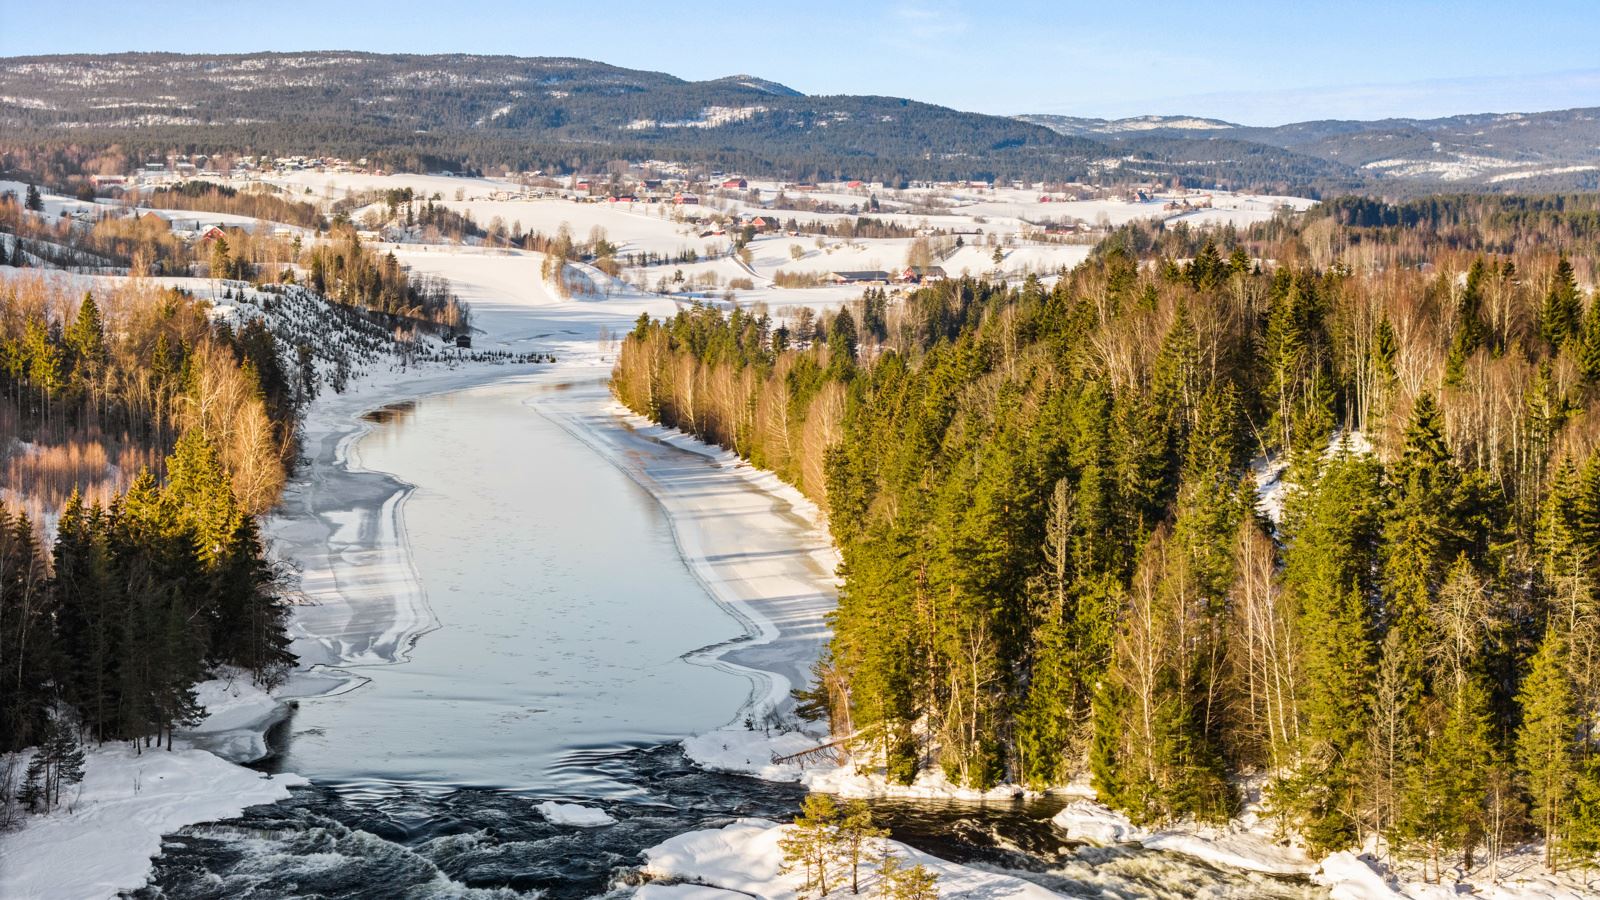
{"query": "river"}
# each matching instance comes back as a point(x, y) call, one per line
point(546, 642)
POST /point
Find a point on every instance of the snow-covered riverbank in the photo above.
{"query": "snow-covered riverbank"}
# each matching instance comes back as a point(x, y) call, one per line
point(744, 860)
point(755, 543)
point(100, 841)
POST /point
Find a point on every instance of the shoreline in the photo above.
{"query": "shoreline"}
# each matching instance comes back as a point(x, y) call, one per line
point(784, 632)
point(338, 548)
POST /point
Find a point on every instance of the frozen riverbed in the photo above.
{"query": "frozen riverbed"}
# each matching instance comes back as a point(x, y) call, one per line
point(557, 612)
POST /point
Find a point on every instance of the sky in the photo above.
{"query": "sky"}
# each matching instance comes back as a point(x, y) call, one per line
point(1256, 63)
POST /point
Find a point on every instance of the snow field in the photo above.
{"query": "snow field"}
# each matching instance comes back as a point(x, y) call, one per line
point(744, 858)
point(100, 841)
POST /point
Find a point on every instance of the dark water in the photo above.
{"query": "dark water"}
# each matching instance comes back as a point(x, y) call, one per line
point(381, 840)
point(384, 841)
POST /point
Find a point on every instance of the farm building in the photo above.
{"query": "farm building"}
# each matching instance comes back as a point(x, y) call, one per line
point(863, 276)
point(920, 274)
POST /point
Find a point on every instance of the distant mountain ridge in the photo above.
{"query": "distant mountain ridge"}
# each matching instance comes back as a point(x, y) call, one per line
point(1089, 127)
point(1559, 149)
point(565, 114)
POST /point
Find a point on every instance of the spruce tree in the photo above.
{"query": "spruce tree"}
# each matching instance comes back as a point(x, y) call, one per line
point(198, 496)
point(87, 622)
point(1328, 565)
point(27, 639)
point(1559, 316)
point(1589, 346)
point(1546, 752)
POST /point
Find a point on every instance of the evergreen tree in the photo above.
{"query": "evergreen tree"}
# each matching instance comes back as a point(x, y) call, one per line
point(89, 602)
point(27, 643)
point(1589, 346)
point(855, 832)
point(55, 765)
point(810, 844)
point(1546, 752)
point(1559, 317)
point(1328, 565)
point(198, 497)
point(249, 620)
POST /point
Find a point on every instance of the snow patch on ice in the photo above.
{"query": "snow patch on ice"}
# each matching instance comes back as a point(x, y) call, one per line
point(574, 814)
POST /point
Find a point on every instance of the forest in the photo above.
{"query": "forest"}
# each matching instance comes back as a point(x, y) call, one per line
point(1311, 508)
point(150, 439)
point(210, 197)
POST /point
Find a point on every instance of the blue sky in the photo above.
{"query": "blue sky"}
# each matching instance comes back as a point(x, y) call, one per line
point(1252, 62)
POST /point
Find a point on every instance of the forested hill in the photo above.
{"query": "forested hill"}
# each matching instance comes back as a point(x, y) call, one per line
point(1317, 505)
point(484, 112)
point(1525, 152)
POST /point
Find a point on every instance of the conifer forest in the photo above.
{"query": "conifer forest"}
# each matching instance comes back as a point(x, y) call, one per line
point(152, 581)
point(1310, 509)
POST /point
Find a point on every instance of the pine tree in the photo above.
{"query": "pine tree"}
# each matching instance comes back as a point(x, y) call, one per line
point(898, 881)
point(34, 202)
point(809, 844)
point(855, 832)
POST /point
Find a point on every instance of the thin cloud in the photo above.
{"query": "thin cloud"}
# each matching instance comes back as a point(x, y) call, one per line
point(924, 22)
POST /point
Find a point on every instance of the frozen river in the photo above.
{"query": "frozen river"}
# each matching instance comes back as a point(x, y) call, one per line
point(563, 611)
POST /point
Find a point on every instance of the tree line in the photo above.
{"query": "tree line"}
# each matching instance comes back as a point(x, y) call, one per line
point(347, 272)
point(1056, 560)
point(156, 573)
point(135, 603)
point(206, 196)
